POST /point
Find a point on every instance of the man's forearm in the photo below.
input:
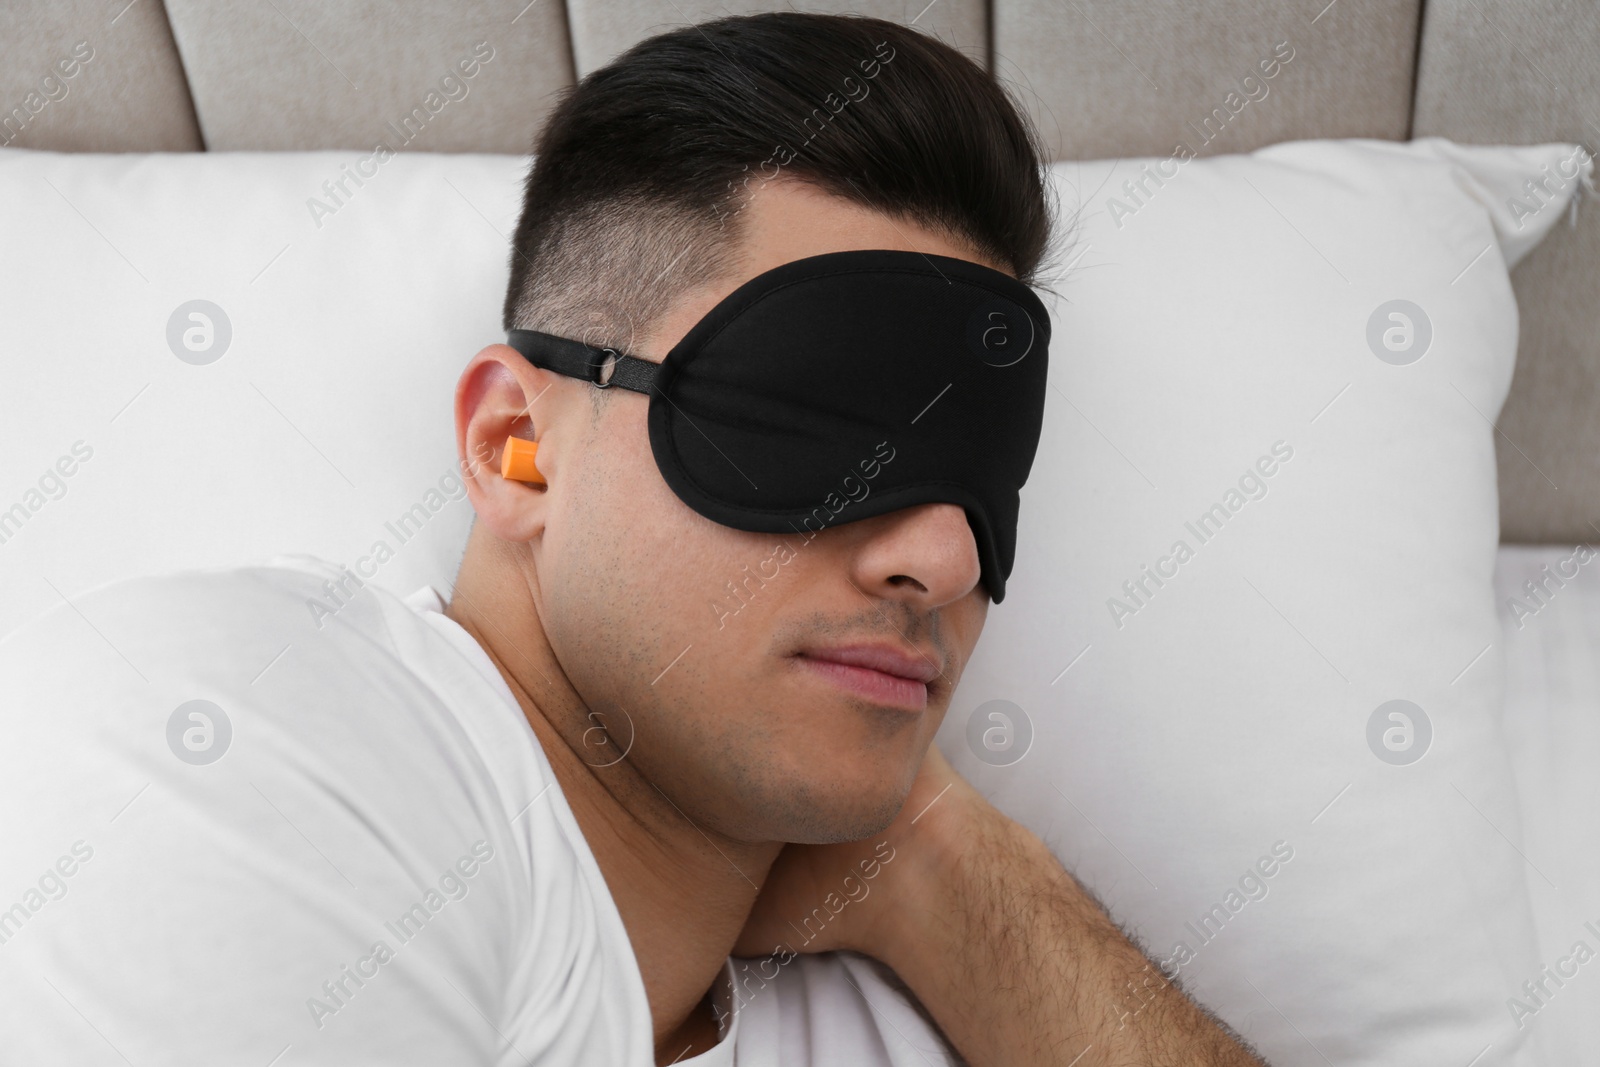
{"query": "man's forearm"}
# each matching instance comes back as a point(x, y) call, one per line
point(1019, 965)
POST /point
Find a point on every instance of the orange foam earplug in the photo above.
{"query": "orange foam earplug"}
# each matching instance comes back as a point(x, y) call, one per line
point(517, 462)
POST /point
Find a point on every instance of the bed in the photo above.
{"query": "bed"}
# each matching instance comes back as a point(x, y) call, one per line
point(130, 135)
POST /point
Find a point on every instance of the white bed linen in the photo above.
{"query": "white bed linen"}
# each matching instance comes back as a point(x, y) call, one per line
point(1552, 729)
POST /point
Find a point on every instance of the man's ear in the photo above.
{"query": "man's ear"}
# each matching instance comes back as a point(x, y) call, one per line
point(500, 395)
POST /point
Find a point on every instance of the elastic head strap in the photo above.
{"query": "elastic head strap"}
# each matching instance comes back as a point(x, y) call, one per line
point(578, 360)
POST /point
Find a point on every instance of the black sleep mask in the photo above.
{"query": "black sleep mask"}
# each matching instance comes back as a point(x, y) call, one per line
point(842, 386)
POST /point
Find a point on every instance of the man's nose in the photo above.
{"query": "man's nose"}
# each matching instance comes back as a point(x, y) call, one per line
point(927, 551)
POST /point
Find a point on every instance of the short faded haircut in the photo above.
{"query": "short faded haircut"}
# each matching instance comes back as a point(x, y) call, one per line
point(639, 175)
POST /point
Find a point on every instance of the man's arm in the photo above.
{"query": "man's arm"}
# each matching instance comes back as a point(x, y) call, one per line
point(1018, 963)
point(1013, 958)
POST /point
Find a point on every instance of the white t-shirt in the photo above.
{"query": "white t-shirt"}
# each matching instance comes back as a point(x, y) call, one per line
point(239, 828)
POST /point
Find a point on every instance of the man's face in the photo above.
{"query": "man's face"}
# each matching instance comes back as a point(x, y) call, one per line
point(690, 640)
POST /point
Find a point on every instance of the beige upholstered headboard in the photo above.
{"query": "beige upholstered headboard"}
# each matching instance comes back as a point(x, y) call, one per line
point(1103, 78)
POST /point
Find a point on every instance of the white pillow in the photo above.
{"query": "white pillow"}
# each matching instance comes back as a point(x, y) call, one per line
point(1226, 313)
point(326, 416)
point(1200, 746)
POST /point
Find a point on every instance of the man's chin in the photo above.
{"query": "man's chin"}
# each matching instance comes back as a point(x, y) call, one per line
point(839, 819)
point(815, 797)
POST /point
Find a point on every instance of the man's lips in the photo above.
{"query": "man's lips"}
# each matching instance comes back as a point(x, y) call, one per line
point(882, 674)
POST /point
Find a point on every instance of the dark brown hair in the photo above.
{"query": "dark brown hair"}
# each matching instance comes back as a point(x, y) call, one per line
point(640, 173)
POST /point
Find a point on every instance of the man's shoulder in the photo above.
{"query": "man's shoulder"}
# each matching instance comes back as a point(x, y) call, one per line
point(316, 801)
point(271, 648)
point(218, 687)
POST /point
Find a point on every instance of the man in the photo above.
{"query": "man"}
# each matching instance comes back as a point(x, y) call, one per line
point(533, 826)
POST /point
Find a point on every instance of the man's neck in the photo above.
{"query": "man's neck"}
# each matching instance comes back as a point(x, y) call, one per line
point(683, 892)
